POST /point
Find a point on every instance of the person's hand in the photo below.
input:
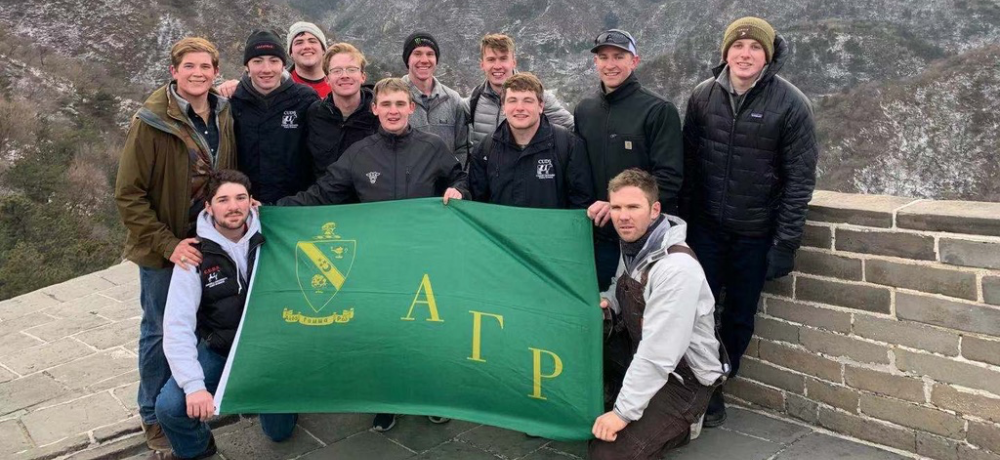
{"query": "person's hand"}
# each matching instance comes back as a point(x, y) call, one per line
point(780, 262)
point(599, 212)
point(604, 303)
point(607, 426)
point(185, 253)
point(255, 204)
point(200, 405)
point(227, 88)
point(453, 194)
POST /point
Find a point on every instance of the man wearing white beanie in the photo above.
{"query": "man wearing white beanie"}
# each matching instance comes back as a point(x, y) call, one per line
point(306, 45)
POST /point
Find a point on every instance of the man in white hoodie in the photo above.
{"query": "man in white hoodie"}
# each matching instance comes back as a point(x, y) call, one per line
point(203, 311)
point(663, 358)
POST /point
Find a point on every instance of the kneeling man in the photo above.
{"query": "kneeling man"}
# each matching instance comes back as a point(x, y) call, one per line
point(204, 307)
point(663, 339)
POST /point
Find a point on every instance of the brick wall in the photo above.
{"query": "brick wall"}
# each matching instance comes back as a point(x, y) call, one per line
point(889, 329)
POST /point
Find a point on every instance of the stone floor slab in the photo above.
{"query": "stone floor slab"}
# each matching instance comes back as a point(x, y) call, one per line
point(54, 423)
point(111, 335)
point(123, 292)
point(26, 304)
point(718, 443)
point(41, 357)
point(28, 391)
point(56, 449)
point(819, 446)
point(546, 453)
point(12, 438)
point(125, 272)
point(418, 434)
point(120, 311)
point(50, 332)
point(81, 308)
point(92, 369)
point(6, 376)
point(507, 443)
point(576, 449)
point(119, 429)
point(116, 381)
point(16, 325)
point(250, 442)
point(366, 444)
point(11, 344)
point(456, 450)
point(754, 424)
point(331, 428)
point(77, 288)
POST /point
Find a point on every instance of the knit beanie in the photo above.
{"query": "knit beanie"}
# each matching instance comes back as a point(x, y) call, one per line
point(263, 43)
point(749, 27)
point(419, 39)
point(303, 26)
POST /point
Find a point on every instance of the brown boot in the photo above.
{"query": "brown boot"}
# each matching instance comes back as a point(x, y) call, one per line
point(156, 440)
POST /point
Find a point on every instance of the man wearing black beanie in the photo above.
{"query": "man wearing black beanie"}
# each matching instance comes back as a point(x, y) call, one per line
point(270, 114)
point(440, 109)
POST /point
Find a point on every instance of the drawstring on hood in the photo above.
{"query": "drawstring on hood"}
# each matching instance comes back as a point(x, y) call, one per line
point(235, 250)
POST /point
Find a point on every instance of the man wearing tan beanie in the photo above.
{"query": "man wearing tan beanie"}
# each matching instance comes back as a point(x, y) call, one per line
point(749, 172)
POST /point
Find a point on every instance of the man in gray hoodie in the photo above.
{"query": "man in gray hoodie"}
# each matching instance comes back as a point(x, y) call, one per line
point(204, 308)
point(662, 359)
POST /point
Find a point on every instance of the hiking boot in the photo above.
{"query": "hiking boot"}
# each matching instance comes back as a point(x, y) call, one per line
point(716, 413)
point(438, 420)
point(156, 440)
point(383, 422)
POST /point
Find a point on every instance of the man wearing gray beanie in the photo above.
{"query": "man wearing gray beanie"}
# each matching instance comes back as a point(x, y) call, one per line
point(306, 45)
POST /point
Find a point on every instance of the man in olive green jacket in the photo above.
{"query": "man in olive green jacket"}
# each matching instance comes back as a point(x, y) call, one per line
point(181, 133)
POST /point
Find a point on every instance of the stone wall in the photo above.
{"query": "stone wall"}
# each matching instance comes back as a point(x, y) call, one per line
point(889, 329)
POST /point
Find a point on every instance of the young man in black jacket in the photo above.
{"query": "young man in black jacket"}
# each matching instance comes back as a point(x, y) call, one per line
point(269, 112)
point(626, 126)
point(344, 116)
point(750, 169)
point(528, 161)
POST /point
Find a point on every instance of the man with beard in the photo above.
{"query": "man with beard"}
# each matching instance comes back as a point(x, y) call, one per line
point(203, 312)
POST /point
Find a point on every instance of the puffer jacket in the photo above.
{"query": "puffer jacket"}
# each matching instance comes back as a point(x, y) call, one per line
point(751, 171)
point(488, 114)
point(329, 134)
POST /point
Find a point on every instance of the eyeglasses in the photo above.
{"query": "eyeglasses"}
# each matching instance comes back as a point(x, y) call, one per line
point(338, 71)
point(616, 37)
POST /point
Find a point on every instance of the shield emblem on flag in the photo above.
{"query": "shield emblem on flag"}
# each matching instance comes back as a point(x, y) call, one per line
point(322, 266)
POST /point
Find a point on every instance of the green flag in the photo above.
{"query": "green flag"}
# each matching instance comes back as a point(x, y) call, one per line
point(470, 311)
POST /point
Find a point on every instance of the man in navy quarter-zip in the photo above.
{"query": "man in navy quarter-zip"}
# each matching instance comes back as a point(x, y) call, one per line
point(625, 126)
point(749, 172)
point(203, 312)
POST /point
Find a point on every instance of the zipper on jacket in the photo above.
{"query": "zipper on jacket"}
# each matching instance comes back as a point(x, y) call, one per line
point(607, 142)
point(725, 179)
point(406, 185)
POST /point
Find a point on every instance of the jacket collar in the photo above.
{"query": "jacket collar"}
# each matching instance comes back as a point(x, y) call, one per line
point(771, 69)
point(629, 86)
point(367, 97)
point(544, 134)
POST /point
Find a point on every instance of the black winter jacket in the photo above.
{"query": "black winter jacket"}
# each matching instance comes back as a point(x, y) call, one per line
point(632, 128)
point(551, 172)
point(223, 294)
point(270, 138)
point(384, 167)
point(753, 172)
point(328, 134)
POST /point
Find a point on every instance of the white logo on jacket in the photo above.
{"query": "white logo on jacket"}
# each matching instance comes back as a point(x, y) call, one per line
point(544, 169)
point(373, 176)
point(289, 119)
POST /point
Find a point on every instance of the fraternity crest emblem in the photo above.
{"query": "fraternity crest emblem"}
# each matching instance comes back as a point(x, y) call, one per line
point(544, 169)
point(290, 120)
point(322, 265)
point(373, 176)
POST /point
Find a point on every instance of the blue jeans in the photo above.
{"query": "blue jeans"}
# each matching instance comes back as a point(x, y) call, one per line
point(189, 437)
point(737, 264)
point(153, 368)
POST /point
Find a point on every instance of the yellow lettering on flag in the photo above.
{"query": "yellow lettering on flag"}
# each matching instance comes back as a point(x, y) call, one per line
point(323, 264)
point(537, 375)
point(425, 286)
point(477, 333)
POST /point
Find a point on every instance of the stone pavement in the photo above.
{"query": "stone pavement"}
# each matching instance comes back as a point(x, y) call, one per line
point(68, 388)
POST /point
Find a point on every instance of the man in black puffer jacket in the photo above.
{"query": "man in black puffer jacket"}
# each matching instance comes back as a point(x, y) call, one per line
point(750, 168)
point(270, 122)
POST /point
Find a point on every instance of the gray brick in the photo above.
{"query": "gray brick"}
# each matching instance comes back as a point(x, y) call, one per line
point(936, 447)
point(12, 438)
point(6, 376)
point(976, 349)
point(28, 391)
point(54, 423)
point(991, 290)
point(26, 304)
point(128, 395)
point(14, 343)
point(772, 329)
point(826, 264)
point(857, 296)
point(784, 286)
point(964, 316)
point(970, 253)
point(834, 395)
point(800, 360)
point(78, 288)
point(838, 345)
point(15, 325)
point(119, 429)
point(887, 384)
point(817, 236)
point(867, 210)
point(947, 397)
point(952, 216)
point(752, 349)
point(914, 416)
point(879, 433)
point(111, 335)
point(66, 327)
point(949, 371)
point(809, 315)
point(45, 356)
point(984, 435)
point(93, 369)
point(886, 243)
point(755, 393)
point(125, 272)
point(802, 408)
point(908, 333)
point(771, 375)
point(966, 452)
point(84, 307)
point(122, 293)
point(922, 278)
point(65, 446)
point(115, 381)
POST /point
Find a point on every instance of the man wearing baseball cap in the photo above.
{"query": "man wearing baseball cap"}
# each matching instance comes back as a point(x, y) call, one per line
point(440, 109)
point(625, 126)
point(750, 168)
point(270, 114)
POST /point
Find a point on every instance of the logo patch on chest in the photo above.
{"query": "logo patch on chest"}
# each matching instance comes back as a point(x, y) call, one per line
point(628, 145)
point(373, 176)
point(544, 169)
point(290, 120)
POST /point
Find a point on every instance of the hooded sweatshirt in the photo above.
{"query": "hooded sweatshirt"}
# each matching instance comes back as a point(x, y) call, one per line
point(679, 320)
point(180, 318)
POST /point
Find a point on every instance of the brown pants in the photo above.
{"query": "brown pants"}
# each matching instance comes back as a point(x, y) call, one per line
point(664, 425)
